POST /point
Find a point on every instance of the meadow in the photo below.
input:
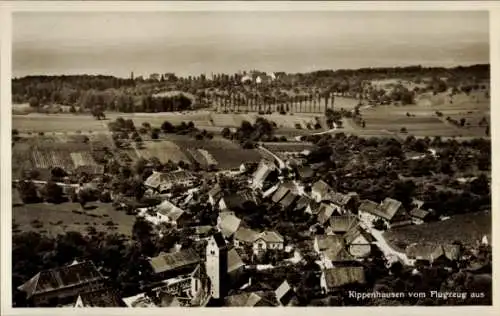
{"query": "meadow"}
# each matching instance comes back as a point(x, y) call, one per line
point(54, 219)
point(465, 228)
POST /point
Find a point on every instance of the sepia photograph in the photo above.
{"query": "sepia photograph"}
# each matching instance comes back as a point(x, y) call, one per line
point(251, 159)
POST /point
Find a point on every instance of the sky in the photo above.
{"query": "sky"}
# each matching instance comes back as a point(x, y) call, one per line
point(191, 43)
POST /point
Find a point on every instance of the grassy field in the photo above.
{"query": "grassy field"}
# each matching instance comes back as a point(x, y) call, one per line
point(466, 228)
point(36, 123)
point(421, 119)
point(53, 219)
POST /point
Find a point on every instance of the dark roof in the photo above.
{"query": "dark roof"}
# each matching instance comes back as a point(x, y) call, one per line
point(302, 203)
point(172, 261)
point(289, 200)
point(419, 213)
point(219, 240)
point(305, 172)
point(280, 193)
point(62, 277)
point(285, 293)
point(340, 276)
point(106, 297)
point(238, 200)
point(343, 223)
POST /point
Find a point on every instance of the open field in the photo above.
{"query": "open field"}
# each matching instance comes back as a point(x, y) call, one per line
point(36, 122)
point(53, 219)
point(225, 154)
point(466, 228)
point(164, 150)
point(421, 119)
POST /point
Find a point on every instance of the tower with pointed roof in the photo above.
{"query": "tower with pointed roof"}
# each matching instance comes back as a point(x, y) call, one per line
point(216, 265)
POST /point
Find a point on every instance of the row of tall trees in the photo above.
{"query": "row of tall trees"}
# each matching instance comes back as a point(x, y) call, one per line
point(313, 103)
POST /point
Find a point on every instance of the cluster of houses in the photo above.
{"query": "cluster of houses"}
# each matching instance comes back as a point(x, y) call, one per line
point(345, 232)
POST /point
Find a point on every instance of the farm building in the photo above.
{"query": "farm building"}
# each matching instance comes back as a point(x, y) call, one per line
point(359, 242)
point(260, 241)
point(268, 240)
point(320, 190)
point(426, 253)
point(342, 202)
point(390, 211)
point(237, 201)
point(342, 224)
point(419, 216)
point(163, 181)
point(106, 297)
point(333, 279)
point(166, 264)
point(167, 212)
point(63, 284)
point(264, 170)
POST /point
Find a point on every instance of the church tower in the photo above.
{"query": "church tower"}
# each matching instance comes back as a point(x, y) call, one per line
point(216, 266)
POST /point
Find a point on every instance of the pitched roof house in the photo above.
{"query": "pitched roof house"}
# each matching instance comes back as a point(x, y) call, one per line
point(260, 241)
point(390, 211)
point(430, 253)
point(161, 181)
point(63, 283)
point(264, 169)
point(319, 190)
point(170, 262)
point(169, 213)
point(106, 297)
point(419, 216)
point(342, 224)
point(333, 279)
